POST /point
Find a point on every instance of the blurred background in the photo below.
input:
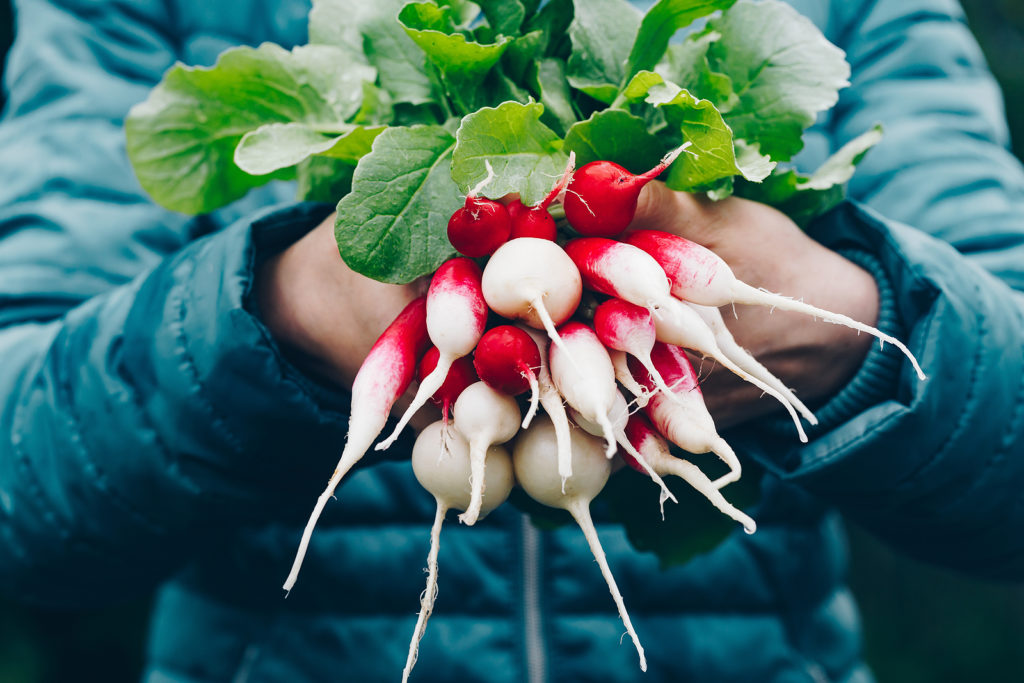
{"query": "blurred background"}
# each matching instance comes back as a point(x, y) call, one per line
point(922, 624)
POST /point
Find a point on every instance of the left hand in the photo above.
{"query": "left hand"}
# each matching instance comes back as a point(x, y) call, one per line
point(765, 249)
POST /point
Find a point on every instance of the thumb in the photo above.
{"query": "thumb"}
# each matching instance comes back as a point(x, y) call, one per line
point(660, 208)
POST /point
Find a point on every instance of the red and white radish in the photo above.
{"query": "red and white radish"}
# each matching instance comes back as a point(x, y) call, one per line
point(485, 417)
point(456, 318)
point(701, 276)
point(383, 377)
point(684, 327)
point(739, 355)
point(602, 196)
point(441, 463)
point(533, 280)
point(686, 422)
point(583, 374)
point(619, 417)
point(645, 438)
point(460, 375)
point(629, 328)
point(508, 360)
point(537, 473)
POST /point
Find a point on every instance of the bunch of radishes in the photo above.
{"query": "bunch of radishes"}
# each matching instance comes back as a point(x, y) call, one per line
point(652, 294)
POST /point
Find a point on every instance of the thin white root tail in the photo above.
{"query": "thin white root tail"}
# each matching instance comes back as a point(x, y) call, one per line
point(723, 450)
point(581, 513)
point(609, 434)
point(430, 384)
point(666, 494)
point(684, 469)
point(537, 304)
point(429, 593)
point(477, 460)
point(745, 294)
point(625, 377)
point(534, 398)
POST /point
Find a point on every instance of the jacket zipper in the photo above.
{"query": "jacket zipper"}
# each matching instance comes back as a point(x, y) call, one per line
point(536, 656)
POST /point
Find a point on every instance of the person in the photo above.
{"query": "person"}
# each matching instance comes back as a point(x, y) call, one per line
point(174, 388)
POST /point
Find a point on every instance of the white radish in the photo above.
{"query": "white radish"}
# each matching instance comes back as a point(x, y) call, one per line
point(485, 417)
point(551, 400)
point(456, 318)
point(583, 374)
point(441, 463)
point(701, 276)
point(619, 416)
point(537, 473)
point(384, 375)
point(645, 439)
point(685, 327)
point(739, 355)
point(686, 423)
point(533, 280)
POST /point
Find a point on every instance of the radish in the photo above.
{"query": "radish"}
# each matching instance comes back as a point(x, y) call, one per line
point(456, 318)
point(625, 378)
point(626, 327)
point(481, 225)
point(685, 423)
point(621, 270)
point(685, 327)
point(508, 360)
point(619, 416)
point(739, 355)
point(485, 417)
point(601, 198)
point(533, 280)
point(645, 438)
point(551, 400)
point(583, 374)
point(531, 221)
point(441, 463)
point(537, 473)
point(700, 276)
point(384, 375)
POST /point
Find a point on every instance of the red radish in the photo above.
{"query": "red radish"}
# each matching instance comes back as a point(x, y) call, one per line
point(440, 461)
point(460, 375)
point(621, 270)
point(737, 354)
point(645, 438)
point(551, 400)
point(531, 221)
point(601, 198)
point(384, 375)
point(537, 474)
point(534, 281)
point(686, 423)
point(627, 327)
point(685, 327)
point(619, 417)
point(482, 225)
point(584, 375)
point(456, 318)
point(508, 360)
point(485, 417)
point(625, 378)
point(700, 276)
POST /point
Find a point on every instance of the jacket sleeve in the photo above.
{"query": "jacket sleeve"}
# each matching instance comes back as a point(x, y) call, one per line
point(147, 409)
point(934, 467)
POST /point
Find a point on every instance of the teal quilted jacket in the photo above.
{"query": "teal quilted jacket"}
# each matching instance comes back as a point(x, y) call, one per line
point(154, 436)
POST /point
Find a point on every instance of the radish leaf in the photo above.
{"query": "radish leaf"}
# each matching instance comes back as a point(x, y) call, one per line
point(392, 226)
point(602, 33)
point(275, 146)
point(618, 136)
point(660, 24)
point(525, 154)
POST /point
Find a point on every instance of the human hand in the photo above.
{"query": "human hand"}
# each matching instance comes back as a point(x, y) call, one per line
point(766, 249)
point(324, 315)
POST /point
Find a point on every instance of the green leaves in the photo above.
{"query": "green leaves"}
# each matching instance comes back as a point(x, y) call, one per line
point(525, 154)
point(392, 226)
point(602, 33)
point(783, 72)
point(615, 135)
point(660, 23)
point(182, 139)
